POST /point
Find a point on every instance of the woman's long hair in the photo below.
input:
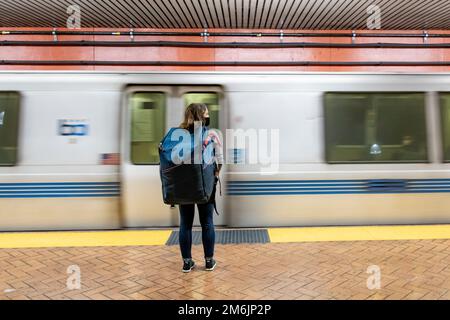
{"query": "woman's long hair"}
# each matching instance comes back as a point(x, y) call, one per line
point(194, 112)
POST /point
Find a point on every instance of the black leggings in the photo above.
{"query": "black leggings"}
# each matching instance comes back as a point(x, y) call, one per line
point(206, 212)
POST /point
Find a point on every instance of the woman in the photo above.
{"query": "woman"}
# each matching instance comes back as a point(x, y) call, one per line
point(198, 112)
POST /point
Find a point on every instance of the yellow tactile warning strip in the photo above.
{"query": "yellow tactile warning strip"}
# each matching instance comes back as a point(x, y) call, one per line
point(122, 238)
point(83, 238)
point(365, 233)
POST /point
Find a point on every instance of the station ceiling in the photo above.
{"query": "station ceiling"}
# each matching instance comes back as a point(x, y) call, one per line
point(252, 14)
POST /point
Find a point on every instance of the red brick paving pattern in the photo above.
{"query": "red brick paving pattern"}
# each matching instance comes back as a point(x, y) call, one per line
point(326, 270)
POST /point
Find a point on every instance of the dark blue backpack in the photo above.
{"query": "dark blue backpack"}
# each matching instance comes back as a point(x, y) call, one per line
point(183, 180)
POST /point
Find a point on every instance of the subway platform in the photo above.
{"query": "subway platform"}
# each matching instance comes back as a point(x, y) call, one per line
point(378, 262)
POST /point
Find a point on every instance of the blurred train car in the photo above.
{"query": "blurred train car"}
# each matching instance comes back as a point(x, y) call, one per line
point(78, 150)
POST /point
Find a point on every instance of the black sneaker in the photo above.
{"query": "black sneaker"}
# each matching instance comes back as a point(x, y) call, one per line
point(210, 264)
point(188, 265)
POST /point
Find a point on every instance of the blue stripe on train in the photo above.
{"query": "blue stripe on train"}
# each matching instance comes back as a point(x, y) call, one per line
point(59, 189)
point(317, 187)
point(58, 183)
point(108, 195)
point(238, 188)
point(249, 193)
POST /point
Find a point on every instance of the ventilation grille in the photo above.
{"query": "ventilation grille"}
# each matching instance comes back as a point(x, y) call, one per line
point(386, 185)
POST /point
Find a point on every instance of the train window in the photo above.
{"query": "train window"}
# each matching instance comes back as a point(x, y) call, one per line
point(445, 116)
point(375, 127)
point(147, 126)
point(9, 127)
point(211, 99)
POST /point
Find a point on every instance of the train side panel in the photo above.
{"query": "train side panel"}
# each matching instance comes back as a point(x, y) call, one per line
point(305, 190)
point(62, 179)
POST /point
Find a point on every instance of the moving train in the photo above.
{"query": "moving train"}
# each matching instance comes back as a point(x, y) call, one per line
point(78, 150)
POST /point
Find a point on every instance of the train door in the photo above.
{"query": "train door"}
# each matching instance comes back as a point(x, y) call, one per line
point(148, 113)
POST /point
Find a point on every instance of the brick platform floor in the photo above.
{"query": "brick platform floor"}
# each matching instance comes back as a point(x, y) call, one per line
point(325, 270)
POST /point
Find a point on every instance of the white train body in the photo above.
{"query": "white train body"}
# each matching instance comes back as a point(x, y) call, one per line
point(65, 182)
